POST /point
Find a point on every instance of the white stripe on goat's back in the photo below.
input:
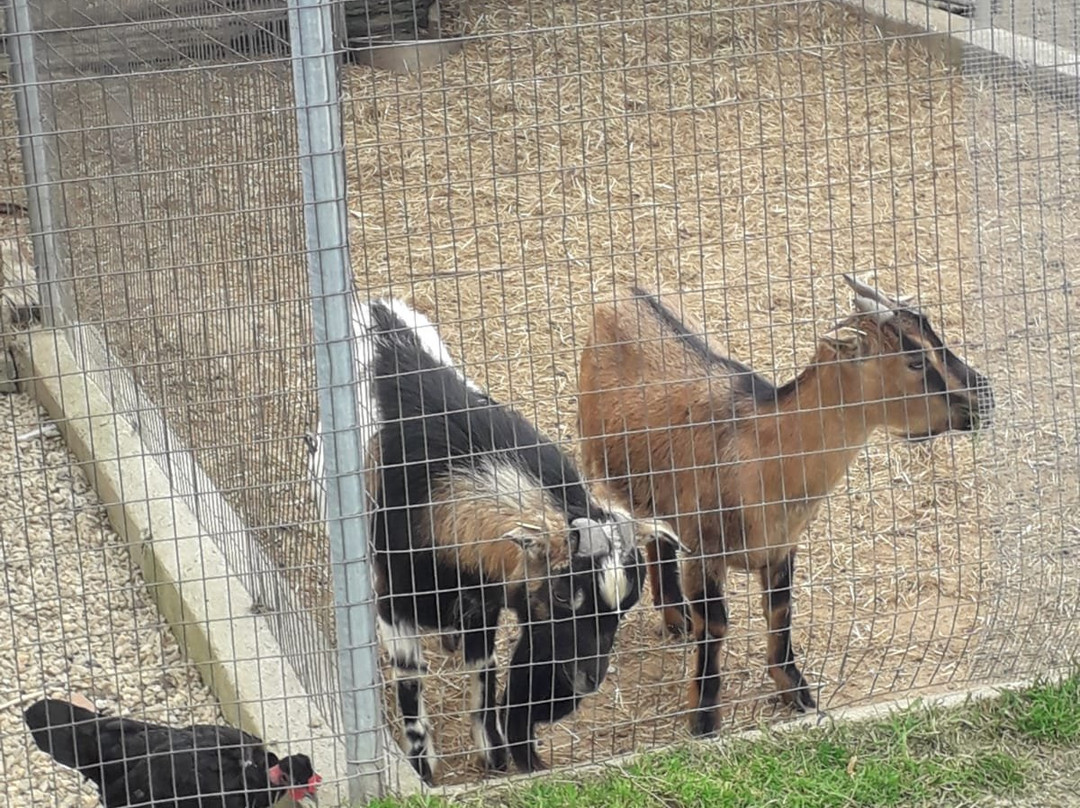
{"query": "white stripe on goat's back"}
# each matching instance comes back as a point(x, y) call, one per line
point(366, 402)
point(367, 405)
point(429, 337)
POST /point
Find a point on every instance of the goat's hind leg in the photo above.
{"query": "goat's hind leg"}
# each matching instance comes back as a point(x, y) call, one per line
point(487, 731)
point(402, 642)
point(776, 601)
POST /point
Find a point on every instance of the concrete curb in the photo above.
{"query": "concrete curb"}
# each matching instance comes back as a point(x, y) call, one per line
point(982, 47)
point(209, 610)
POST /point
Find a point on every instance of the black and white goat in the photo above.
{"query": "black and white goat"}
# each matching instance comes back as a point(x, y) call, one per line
point(474, 511)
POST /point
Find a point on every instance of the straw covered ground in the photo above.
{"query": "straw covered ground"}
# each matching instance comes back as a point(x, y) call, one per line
point(743, 155)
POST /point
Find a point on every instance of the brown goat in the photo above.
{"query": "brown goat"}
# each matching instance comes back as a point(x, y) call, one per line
point(741, 466)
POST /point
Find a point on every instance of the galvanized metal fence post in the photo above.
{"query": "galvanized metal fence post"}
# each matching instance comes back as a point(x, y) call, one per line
point(323, 165)
point(33, 133)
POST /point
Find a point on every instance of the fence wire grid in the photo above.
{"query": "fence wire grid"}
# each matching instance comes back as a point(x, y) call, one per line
point(736, 158)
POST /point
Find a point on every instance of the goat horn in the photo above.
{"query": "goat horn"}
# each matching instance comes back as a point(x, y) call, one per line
point(867, 291)
point(840, 330)
point(660, 528)
point(874, 308)
point(843, 326)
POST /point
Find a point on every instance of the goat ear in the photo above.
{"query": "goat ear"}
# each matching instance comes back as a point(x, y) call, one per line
point(845, 339)
point(529, 538)
point(593, 537)
point(660, 530)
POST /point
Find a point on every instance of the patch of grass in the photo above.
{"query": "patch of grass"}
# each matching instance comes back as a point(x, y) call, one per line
point(1046, 713)
point(917, 757)
point(833, 768)
point(414, 801)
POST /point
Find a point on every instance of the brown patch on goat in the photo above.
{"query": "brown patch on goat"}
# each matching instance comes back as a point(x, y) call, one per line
point(498, 521)
point(495, 520)
point(740, 467)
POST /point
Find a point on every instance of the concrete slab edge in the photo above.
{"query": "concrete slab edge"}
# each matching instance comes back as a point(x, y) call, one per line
point(207, 608)
point(981, 48)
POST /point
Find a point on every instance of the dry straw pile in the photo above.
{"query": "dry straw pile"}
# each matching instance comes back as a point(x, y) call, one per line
point(746, 156)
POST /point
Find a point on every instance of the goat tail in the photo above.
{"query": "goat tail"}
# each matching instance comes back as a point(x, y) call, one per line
point(364, 347)
point(398, 352)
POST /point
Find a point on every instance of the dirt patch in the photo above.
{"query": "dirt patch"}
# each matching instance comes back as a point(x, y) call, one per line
point(1025, 183)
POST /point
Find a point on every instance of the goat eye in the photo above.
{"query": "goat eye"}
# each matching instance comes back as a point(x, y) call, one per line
point(571, 600)
point(917, 364)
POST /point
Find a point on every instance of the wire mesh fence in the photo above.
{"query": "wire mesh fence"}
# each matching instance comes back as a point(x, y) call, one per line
point(165, 174)
point(734, 161)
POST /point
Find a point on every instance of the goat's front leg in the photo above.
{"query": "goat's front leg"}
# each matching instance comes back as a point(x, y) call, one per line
point(487, 731)
point(776, 602)
point(710, 628)
point(663, 566)
point(402, 642)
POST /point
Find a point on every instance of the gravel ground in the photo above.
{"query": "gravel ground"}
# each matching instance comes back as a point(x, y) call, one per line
point(76, 617)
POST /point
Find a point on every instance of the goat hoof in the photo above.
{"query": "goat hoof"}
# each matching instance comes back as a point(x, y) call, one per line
point(526, 759)
point(535, 764)
point(496, 759)
point(703, 723)
point(423, 767)
point(804, 701)
point(799, 698)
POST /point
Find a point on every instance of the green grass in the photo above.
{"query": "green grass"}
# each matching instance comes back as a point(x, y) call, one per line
point(922, 756)
point(1048, 714)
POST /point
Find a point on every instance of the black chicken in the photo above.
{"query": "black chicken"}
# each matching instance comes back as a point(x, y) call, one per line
point(135, 763)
